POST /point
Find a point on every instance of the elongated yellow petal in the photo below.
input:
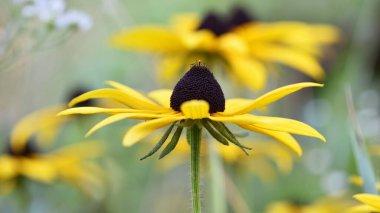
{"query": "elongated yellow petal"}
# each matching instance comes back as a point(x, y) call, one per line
point(369, 199)
point(283, 137)
point(153, 39)
point(252, 73)
point(8, 167)
point(161, 96)
point(83, 150)
point(291, 57)
point(127, 99)
point(140, 131)
point(122, 116)
point(185, 23)
point(245, 106)
point(34, 124)
point(195, 109)
point(170, 67)
point(362, 209)
point(131, 92)
point(273, 124)
point(97, 110)
point(39, 169)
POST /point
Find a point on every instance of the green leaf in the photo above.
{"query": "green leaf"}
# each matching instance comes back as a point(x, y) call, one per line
point(214, 133)
point(228, 134)
point(173, 143)
point(160, 143)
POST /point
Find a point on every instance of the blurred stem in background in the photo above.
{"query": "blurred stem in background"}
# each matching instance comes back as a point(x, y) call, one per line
point(362, 159)
point(217, 180)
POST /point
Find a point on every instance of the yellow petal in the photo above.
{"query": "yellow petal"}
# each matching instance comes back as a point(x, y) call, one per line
point(369, 199)
point(362, 209)
point(127, 99)
point(245, 106)
point(133, 93)
point(273, 124)
point(122, 116)
point(291, 57)
point(186, 22)
point(170, 68)
point(249, 71)
point(162, 96)
point(8, 167)
point(39, 169)
point(140, 131)
point(97, 110)
point(83, 150)
point(195, 109)
point(34, 124)
point(151, 39)
point(283, 137)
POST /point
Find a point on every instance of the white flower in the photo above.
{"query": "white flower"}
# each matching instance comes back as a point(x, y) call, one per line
point(74, 18)
point(45, 10)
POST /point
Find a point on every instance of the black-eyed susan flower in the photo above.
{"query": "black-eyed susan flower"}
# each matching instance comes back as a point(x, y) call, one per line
point(324, 205)
point(370, 203)
point(197, 101)
point(245, 47)
point(25, 158)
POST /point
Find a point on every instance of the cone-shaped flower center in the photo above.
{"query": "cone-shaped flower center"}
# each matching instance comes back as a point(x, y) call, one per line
point(77, 92)
point(198, 84)
point(214, 23)
point(29, 149)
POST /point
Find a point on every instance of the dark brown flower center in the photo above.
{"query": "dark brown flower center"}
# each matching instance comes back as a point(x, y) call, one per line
point(198, 84)
point(29, 149)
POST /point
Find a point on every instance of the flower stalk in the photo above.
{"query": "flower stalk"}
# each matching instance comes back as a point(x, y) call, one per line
point(194, 139)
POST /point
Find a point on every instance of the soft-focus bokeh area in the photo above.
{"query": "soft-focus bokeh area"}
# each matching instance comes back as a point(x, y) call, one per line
point(41, 63)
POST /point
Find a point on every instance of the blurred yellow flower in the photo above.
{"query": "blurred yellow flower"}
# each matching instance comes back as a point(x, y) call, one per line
point(326, 205)
point(197, 99)
point(357, 180)
point(24, 158)
point(246, 48)
point(265, 159)
point(371, 203)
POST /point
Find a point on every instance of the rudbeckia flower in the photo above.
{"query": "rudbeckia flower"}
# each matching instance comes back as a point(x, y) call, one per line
point(371, 203)
point(25, 158)
point(246, 48)
point(325, 205)
point(197, 100)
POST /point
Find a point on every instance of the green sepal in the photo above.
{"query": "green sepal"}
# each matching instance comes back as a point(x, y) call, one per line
point(160, 143)
point(214, 133)
point(229, 135)
point(173, 143)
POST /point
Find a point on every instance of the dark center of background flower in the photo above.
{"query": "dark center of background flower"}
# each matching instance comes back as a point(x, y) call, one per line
point(198, 84)
point(77, 92)
point(29, 149)
point(220, 25)
point(214, 23)
point(240, 16)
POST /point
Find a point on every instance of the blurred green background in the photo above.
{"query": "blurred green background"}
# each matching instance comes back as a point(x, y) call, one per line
point(42, 78)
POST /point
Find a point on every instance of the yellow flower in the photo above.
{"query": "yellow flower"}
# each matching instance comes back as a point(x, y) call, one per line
point(197, 99)
point(357, 180)
point(371, 203)
point(267, 158)
point(326, 205)
point(245, 47)
point(24, 158)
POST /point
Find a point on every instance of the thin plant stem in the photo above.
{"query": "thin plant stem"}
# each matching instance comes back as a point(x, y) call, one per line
point(195, 143)
point(218, 186)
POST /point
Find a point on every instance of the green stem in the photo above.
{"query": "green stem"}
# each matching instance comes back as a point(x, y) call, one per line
point(217, 179)
point(195, 142)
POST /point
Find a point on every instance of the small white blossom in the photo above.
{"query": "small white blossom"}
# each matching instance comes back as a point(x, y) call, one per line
point(74, 18)
point(45, 10)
